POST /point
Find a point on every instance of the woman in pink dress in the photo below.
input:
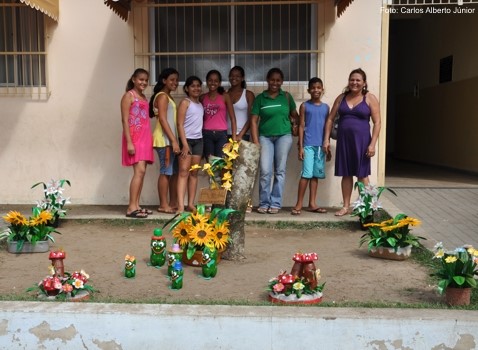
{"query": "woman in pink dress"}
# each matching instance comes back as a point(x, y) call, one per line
point(137, 146)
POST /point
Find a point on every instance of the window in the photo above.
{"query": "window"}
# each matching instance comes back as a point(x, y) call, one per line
point(22, 49)
point(195, 37)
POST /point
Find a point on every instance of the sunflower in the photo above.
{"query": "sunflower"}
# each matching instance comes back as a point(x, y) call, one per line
point(411, 221)
point(44, 217)
point(180, 232)
point(200, 234)
point(221, 235)
point(198, 218)
point(15, 218)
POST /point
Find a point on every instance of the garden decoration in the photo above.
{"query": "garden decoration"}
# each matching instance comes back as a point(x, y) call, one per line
point(158, 248)
point(457, 270)
point(57, 258)
point(209, 263)
point(174, 254)
point(129, 266)
point(391, 239)
point(368, 202)
point(194, 231)
point(301, 285)
point(23, 235)
point(61, 285)
point(177, 275)
point(54, 201)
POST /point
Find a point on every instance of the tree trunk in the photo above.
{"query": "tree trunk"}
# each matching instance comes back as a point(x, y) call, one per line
point(244, 175)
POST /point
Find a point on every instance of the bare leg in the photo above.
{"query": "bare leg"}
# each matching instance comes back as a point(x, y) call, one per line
point(193, 183)
point(163, 188)
point(303, 182)
point(173, 193)
point(314, 182)
point(183, 179)
point(136, 185)
point(347, 187)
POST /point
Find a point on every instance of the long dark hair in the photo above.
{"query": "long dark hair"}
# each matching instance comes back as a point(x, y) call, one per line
point(189, 81)
point(275, 70)
point(220, 89)
point(364, 77)
point(159, 86)
point(138, 71)
point(241, 72)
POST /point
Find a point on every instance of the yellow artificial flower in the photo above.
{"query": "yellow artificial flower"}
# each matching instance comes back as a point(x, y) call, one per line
point(390, 228)
point(450, 259)
point(227, 185)
point(200, 234)
point(221, 235)
point(195, 167)
point(15, 218)
point(180, 232)
point(298, 286)
point(231, 154)
point(411, 221)
point(44, 217)
point(129, 258)
point(439, 254)
point(227, 176)
point(472, 251)
point(197, 218)
point(228, 165)
point(235, 146)
point(373, 224)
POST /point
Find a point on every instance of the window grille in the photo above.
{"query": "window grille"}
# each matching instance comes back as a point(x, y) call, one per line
point(197, 36)
point(22, 50)
point(429, 2)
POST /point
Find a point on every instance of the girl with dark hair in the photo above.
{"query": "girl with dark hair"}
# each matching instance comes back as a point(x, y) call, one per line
point(217, 107)
point(242, 100)
point(137, 143)
point(355, 146)
point(190, 124)
point(165, 137)
point(271, 128)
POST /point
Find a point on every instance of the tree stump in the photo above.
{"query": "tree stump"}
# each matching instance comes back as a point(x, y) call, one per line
point(244, 175)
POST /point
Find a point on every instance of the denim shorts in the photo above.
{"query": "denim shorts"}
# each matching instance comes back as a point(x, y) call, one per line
point(313, 164)
point(172, 166)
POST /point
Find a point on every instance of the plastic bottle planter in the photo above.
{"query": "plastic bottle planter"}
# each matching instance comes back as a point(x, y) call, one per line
point(129, 266)
point(209, 263)
point(57, 262)
point(174, 254)
point(158, 249)
point(402, 253)
point(177, 275)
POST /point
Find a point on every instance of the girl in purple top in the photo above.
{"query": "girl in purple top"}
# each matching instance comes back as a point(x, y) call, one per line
point(217, 106)
point(190, 123)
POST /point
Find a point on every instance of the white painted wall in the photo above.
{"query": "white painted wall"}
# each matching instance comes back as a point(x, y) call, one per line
point(76, 133)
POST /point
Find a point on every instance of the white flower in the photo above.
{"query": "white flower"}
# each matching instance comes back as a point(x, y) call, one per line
point(375, 204)
point(371, 190)
point(358, 203)
point(438, 246)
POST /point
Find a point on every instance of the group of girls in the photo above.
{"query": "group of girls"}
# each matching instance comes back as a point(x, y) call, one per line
point(198, 127)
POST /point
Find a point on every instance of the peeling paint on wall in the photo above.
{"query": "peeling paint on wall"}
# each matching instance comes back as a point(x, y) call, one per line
point(107, 345)
point(44, 332)
point(3, 327)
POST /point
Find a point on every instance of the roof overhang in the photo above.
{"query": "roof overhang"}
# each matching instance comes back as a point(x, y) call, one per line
point(50, 8)
point(120, 7)
point(341, 6)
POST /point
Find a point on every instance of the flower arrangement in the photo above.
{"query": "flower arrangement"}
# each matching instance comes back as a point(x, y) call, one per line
point(63, 286)
point(54, 200)
point(194, 231)
point(33, 229)
point(220, 169)
point(368, 201)
point(457, 268)
point(301, 281)
point(393, 233)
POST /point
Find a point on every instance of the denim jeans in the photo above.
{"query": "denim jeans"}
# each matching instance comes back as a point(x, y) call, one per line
point(274, 153)
point(214, 141)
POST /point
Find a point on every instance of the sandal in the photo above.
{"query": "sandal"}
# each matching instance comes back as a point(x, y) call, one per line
point(146, 211)
point(137, 214)
point(273, 210)
point(262, 210)
point(318, 210)
point(342, 212)
point(295, 212)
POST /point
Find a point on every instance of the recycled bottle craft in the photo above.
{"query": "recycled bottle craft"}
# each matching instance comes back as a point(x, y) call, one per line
point(158, 248)
point(177, 275)
point(209, 263)
point(174, 254)
point(129, 266)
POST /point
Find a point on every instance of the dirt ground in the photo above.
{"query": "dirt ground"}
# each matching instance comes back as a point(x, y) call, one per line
point(99, 247)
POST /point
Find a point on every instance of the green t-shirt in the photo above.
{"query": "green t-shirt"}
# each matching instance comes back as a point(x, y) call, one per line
point(273, 113)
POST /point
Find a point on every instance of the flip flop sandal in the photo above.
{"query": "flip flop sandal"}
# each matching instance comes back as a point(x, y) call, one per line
point(137, 214)
point(262, 210)
point(319, 210)
point(295, 212)
point(342, 212)
point(146, 211)
point(273, 210)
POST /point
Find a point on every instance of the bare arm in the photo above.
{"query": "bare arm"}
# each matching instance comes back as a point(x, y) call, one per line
point(301, 130)
point(126, 102)
point(255, 129)
point(183, 107)
point(232, 115)
point(377, 123)
point(250, 100)
point(330, 122)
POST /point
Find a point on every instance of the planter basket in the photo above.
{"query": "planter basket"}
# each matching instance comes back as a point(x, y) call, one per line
point(390, 254)
point(38, 247)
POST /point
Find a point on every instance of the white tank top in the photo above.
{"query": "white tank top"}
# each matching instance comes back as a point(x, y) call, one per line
point(241, 112)
point(193, 120)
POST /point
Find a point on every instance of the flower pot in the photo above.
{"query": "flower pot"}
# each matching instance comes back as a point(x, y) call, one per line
point(38, 247)
point(197, 258)
point(390, 254)
point(457, 296)
point(305, 299)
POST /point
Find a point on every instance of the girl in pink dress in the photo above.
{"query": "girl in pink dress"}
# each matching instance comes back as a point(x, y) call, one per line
point(137, 138)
